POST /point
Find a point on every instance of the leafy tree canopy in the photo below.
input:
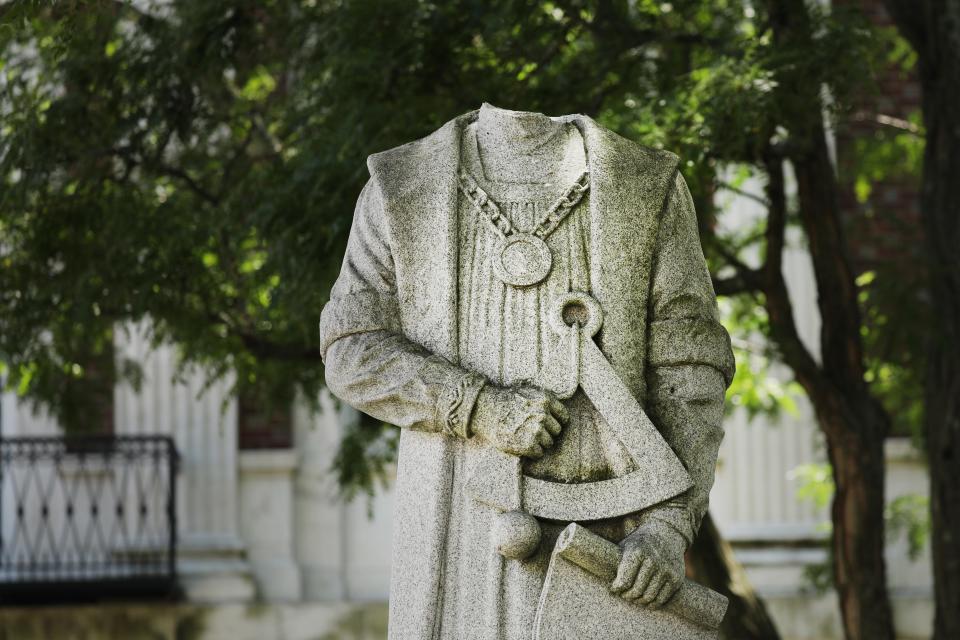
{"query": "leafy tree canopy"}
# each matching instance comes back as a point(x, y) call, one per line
point(197, 163)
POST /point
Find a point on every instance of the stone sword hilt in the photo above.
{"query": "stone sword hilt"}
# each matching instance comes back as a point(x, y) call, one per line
point(579, 362)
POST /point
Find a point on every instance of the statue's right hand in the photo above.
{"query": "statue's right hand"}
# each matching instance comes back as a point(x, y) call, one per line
point(521, 421)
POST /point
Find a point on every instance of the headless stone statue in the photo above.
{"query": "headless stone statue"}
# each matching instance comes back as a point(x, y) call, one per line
point(526, 298)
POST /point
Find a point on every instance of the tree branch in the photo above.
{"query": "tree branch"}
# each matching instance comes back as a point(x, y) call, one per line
point(775, 233)
point(733, 285)
point(260, 346)
point(726, 186)
point(129, 157)
point(888, 121)
point(186, 178)
point(783, 326)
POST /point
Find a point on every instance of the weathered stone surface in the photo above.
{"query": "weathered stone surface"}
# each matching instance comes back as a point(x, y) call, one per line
point(482, 263)
point(575, 602)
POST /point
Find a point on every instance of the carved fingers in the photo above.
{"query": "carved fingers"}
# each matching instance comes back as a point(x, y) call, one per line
point(557, 409)
point(543, 417)
point(669, 588)
point(650, 570)
point(633, 575)
point(521, 422)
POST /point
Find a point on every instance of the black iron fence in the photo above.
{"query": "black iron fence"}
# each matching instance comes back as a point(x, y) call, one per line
point(87, 517)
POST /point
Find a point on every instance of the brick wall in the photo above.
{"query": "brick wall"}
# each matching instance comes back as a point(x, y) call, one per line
point(884, 229)
point(263, 424)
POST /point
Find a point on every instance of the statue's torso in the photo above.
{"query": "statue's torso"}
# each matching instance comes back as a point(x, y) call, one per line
point(504, 333)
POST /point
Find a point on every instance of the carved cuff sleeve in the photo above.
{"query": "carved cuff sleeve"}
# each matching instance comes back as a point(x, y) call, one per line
point(674, 513)
point(456, 404)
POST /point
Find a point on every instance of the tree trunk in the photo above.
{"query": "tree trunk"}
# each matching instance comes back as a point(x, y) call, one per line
point(857, 513)
point(852, 420)
point(933, 28)
point(711, 561)
point(940, 202)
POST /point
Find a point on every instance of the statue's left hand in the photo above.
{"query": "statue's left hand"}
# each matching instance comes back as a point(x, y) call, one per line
point(651, 566)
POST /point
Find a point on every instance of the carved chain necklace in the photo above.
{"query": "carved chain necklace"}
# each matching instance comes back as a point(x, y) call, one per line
point(524, 258)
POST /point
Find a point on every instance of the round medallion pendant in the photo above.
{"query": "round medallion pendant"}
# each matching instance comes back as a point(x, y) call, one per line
point(524, 260)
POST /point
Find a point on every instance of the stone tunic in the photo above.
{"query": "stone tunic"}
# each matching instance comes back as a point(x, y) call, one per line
point(505, 335)
point(494, 315)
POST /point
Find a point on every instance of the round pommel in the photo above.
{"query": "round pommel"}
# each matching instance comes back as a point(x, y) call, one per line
point(516, 534)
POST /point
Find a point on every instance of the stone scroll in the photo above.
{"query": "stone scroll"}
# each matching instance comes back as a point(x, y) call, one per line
point(575, 601)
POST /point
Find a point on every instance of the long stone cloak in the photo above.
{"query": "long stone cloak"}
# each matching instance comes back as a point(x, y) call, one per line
point(389, 334)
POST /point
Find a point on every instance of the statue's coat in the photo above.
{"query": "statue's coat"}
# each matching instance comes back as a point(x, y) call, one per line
point(416, 186)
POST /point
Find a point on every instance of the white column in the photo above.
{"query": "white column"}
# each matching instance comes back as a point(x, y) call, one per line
point(319, 517)
point(8, 413)
point(202, 419)
point(18, 417)
point(343, 548)
point(266, 521)
point(8, 427)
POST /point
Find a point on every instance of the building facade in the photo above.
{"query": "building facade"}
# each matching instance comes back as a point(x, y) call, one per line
point(266, 548)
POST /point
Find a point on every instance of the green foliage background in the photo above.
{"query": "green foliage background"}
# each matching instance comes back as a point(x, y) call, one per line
point(197, 163)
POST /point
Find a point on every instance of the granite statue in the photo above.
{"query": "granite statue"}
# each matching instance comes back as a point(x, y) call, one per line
point(526, 298)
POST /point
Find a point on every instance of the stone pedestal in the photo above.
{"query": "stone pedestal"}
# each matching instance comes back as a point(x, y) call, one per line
point(214, 569)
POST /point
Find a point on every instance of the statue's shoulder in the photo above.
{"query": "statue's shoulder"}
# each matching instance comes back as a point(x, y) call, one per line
point(630, 153)
point(405, 154)
point(398, 170)
point(661, 160)
point(628, 164)
point(434, 158)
